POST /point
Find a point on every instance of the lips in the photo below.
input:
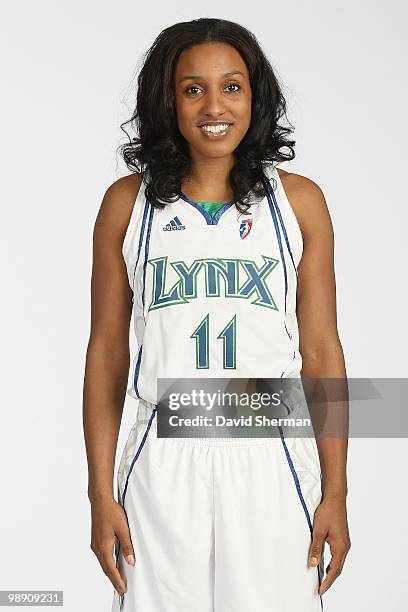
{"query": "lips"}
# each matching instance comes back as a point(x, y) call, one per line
point(214, 123)
point(216, 134)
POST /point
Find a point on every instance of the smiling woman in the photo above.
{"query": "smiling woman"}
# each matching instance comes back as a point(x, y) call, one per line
point(195, 80)
point(226, 263)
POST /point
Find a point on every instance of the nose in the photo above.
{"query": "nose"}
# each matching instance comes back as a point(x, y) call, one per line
point(214, 104)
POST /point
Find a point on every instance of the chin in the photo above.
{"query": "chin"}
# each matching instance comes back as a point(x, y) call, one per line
point(217, 149)
point(216, 154)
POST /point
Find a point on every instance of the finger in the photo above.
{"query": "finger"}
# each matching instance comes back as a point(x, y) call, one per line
point(124, 538)
point(316, 548)
point(339, 552)
point(344, 550)
point(333, 571)
point(104, 552)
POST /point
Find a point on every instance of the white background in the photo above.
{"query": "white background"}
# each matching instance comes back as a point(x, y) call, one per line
point(68, 82)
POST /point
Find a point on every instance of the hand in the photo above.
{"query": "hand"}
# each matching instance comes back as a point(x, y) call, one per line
point(109, 524)
point(330, 524)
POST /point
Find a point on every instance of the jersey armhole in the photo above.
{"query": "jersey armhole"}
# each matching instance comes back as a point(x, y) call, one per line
point(132, 222)
point(129, 244)
point(289, 213)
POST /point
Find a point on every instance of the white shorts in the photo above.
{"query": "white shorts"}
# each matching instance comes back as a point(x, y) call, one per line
point(218, 524)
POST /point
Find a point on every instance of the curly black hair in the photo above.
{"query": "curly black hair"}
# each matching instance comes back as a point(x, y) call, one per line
point(162, 152)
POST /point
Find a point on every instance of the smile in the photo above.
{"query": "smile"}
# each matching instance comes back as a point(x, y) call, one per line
point(215, 131)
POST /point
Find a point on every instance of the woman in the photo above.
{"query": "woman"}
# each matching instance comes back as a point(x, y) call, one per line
point(227, 265)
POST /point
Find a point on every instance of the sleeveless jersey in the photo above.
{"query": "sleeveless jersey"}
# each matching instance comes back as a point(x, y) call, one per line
point(213, 296)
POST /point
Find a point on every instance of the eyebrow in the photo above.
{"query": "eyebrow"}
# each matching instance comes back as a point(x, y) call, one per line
point(195, 77)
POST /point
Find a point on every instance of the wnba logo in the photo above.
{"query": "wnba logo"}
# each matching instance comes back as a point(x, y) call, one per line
point(245, 228)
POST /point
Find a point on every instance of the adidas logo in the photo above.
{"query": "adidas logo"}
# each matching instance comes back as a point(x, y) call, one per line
point(174, 224)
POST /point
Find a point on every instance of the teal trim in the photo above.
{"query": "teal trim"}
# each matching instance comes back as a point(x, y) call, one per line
point(211, 220)
point(211, 207)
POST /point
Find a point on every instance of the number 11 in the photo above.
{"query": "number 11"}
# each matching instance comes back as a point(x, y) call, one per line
point(229, 337)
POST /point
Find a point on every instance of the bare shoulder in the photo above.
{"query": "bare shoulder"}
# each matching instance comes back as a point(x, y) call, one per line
point(307, 200)
point(117, 204)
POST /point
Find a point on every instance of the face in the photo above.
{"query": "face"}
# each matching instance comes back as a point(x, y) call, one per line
point(212, 87)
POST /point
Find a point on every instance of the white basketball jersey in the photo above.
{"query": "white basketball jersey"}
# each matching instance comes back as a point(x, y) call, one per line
point(213, 297)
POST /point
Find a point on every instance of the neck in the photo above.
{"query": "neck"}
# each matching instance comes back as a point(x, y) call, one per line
point(208, 180)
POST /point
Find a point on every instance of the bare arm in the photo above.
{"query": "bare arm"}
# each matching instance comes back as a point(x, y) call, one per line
point(322, 356)
point(320, 346)
point(107, 361)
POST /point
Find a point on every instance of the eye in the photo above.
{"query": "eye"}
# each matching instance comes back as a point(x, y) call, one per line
point(234, 85)
point(188, 90)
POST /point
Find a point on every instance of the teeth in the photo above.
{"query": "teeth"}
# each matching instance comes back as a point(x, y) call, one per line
point(215, 128)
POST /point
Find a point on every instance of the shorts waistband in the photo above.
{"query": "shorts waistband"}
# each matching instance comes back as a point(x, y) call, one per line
point(145, 416)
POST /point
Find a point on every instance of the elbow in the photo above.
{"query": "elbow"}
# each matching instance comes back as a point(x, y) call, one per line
point(324, 358)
